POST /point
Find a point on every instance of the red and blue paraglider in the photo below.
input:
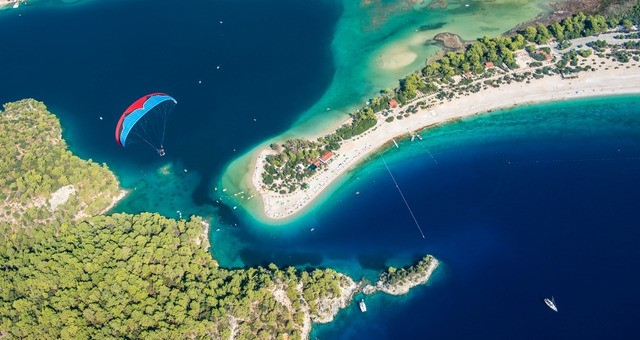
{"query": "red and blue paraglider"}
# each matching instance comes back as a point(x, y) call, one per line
point(146, 120)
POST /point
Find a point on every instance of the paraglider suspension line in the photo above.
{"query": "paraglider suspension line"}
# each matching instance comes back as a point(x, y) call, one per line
point(160, 150)
point(165, 117)
point(403, 198)
point(164, 128)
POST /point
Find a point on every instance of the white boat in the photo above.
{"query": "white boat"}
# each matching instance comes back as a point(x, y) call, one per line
point(551, 303)
point(16, 4)
point(419, 137)
point(363, 307)
point(413, 137)
point(396, 144)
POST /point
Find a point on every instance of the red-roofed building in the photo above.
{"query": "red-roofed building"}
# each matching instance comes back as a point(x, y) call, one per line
point(314, 165)
point(326, 157)
point(393, 103)
point(468, 75)
point(488, 64)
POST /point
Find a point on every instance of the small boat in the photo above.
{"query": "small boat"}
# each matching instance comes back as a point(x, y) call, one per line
point(551, 303)
point(363, 307)
point(419, 137)
point(396, 144)
point(413, 137)
point(312, 229)
point(16, 4)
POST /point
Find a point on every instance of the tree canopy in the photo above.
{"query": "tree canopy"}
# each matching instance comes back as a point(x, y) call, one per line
point(66, 275)
point(35, 163)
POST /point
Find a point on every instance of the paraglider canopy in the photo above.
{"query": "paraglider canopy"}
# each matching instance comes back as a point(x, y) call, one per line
point(146, 120)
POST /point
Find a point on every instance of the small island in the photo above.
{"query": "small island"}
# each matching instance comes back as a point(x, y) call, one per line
point(580, 56)
point(398, 281)
point(70, 271)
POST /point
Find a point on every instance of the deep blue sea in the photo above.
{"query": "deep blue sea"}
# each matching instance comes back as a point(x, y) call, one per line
point(517, 205)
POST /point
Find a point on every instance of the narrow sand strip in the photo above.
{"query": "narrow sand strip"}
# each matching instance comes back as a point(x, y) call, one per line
point(605, 80)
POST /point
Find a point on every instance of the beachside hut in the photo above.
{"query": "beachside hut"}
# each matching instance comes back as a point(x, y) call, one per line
point(326, 157)
point(393, 103)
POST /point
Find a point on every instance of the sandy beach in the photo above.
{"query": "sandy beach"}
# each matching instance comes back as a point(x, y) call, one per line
point(608, 78)
point(8, 3)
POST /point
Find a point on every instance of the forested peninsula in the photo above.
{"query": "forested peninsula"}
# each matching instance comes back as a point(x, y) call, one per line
point(68, 271)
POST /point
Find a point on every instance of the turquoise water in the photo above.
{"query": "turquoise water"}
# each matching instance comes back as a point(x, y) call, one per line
point(517, 205)
point(370, 38)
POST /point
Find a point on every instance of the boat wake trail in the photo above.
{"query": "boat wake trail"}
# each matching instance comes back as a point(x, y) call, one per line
point(430, 155)
point(403, 198)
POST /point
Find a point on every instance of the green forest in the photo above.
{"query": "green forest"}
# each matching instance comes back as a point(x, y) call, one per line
point(145, 276)
point(124, 276)
point(35, 163)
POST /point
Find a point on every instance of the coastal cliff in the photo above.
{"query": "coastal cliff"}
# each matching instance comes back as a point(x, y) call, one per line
point(327, 306)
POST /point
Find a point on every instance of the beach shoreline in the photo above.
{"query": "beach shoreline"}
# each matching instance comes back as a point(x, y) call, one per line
point(9, 3)
point(608, 78)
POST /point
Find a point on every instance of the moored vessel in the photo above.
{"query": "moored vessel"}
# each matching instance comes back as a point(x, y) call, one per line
point(551, 303)
point(362, 305)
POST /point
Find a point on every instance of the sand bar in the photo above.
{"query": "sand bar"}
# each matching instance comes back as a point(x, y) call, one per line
point(608, 78)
